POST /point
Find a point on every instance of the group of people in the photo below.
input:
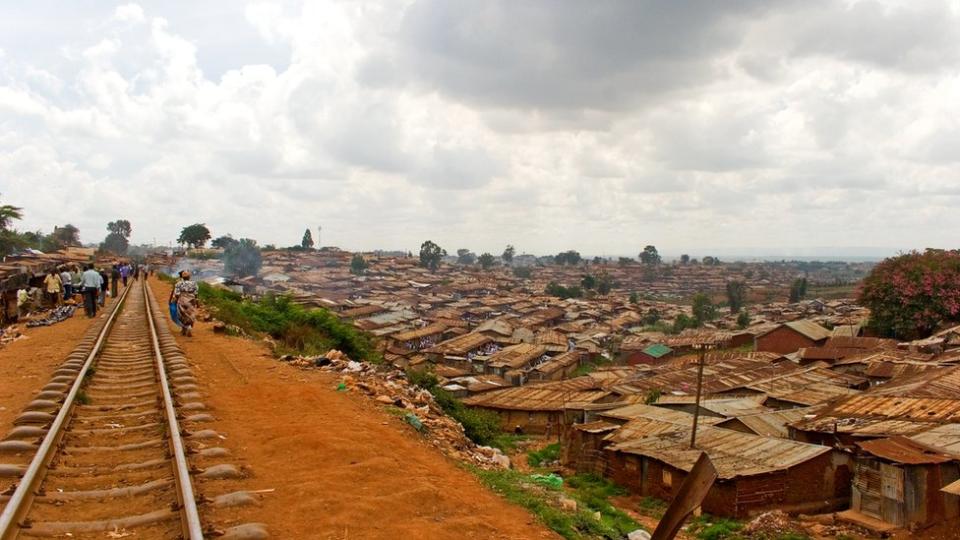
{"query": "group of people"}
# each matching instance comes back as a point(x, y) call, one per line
point(92, 283)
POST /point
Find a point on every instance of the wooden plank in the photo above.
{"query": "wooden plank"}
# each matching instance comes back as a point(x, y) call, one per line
point(691, 494)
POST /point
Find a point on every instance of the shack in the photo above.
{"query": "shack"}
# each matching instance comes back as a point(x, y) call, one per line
point(756, 474)
point(792, 336)
point(899, 481)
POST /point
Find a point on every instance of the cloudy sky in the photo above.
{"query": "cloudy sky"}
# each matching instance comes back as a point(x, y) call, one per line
point(549, 124)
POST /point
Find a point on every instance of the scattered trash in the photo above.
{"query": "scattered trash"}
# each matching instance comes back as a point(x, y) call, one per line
point(390, 388)
point(414, 421)
point(58, 314)
point(773, 524)
point(549, 480)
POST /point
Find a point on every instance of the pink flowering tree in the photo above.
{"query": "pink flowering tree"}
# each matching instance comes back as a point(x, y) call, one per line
point(911, 295)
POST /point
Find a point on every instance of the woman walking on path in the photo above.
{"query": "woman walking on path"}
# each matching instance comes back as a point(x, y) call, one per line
point(185, 295)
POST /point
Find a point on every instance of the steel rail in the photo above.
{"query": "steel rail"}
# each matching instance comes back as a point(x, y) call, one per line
point(22, 497)
point(192, 527)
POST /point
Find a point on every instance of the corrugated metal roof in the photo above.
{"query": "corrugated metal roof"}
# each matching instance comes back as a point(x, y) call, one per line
point(598, 426)
point(771, 424)
point(417, 333)
point(460, 344)
point(516, 356)
point(657, 350)
point(536, 398)
point(733, 453)
point(945, 437)
point(903, 450)
point(871, 415)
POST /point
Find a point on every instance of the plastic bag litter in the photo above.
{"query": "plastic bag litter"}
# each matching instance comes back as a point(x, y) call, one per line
point(173, 313)
point(414, 421)
point(549, 480)
point(342, 387)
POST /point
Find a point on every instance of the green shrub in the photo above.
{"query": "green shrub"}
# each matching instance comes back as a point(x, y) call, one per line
point(588, 491)
point(707, 527)
point(548, 454)
point(296, 329)
point(423, 378)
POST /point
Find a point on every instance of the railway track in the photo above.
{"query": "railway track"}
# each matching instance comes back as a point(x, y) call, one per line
point(100, 452)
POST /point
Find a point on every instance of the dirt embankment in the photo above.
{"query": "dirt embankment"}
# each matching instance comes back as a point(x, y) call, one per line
point(341, 467)
point(27, 363)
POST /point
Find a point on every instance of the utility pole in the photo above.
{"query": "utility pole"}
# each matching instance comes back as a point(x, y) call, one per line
point(702, 348)
point(319, 241)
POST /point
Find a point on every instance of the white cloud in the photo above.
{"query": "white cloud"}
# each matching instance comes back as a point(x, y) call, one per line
point(549, 125)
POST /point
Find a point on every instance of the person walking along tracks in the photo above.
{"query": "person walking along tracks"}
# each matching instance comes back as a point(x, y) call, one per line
point(91, 282)
point(52, 287)
point(185, 295)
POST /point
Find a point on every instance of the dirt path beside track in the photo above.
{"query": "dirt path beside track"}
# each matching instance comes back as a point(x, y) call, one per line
point(340, 466)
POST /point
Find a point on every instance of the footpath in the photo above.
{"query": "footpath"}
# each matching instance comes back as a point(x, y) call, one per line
point(335, 465)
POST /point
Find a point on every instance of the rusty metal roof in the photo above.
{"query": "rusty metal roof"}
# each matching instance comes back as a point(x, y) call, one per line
point(460, 344)
point(872, 415)
point(945, 437)
point(932, 383)
point(598, 426)
point(517, 356)
point(733, 453)
point(770, 424)
point(536, 398)
point(417, 333)
point(903, 450)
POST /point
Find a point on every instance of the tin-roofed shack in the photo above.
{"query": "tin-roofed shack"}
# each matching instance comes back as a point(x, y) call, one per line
point(544, 408)
point(899, 481)
point(756, 474)
point(792, 336)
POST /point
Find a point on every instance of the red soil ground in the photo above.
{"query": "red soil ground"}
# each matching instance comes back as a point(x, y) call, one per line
point(341, 467)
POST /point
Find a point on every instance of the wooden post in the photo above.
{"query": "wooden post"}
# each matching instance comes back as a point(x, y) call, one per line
point(696, 408)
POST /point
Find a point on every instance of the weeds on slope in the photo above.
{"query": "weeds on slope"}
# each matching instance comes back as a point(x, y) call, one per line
point(296, 329)
point(481, 427)
point(593, 519)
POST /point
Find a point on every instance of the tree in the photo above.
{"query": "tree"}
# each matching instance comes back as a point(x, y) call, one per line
point(652, 317)
point(684, 259)
point(604, 283)
point(650, 256)
point(358, 265)
point(9, 239)
point(243, 258)
point(798, 289)
point(570, 257)
point(8, 214)
point(634, 298)
point(736, 295)
point(64, 237)
point(711, 261)
point(486, 261)
point(913, 294)
point(743, 320)
point(430, 255)
point(465, 256)
point(588, 282)
point(555, 289)
point(115, 243)
point(121, 227)
point(223, 242)
point(682, 322)
point(703, 309)
point(508, 254)
point(523, 272)
point(307, 242)
point(195, 235)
